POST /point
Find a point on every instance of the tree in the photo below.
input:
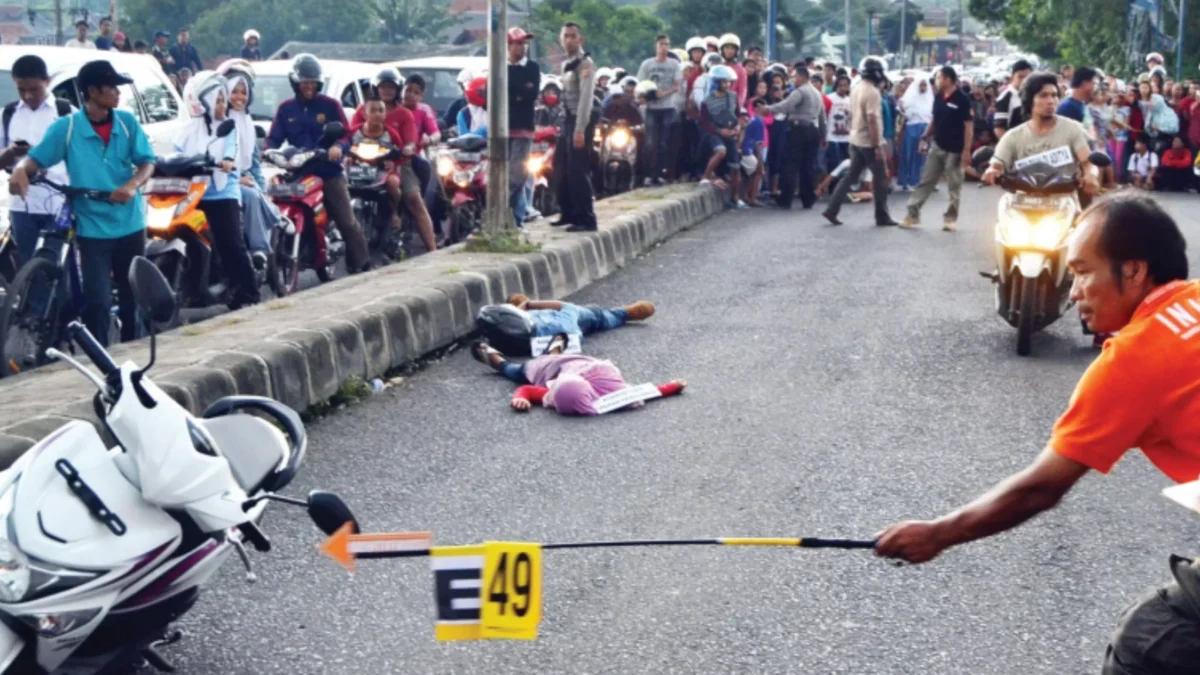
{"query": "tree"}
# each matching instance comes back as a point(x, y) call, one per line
point(621, 36)
point(744, 18)
point(412, 20)
point(303, 20)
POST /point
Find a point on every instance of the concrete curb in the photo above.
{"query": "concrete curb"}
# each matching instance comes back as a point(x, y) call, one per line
point(300, 349)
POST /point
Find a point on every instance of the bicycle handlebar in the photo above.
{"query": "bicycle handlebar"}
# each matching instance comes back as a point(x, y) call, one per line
point(82, 337)
point(69, 191)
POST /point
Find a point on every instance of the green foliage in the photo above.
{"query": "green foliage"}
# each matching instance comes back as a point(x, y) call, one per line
point(500, 241)
point(406, 20)
point(744, 18)
point(1091, 32)
point(622, 36)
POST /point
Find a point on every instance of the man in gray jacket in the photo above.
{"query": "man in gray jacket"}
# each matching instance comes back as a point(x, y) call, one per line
point(661, 111)
point(572, 159)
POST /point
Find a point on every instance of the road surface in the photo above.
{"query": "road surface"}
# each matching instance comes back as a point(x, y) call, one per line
point(839, 379)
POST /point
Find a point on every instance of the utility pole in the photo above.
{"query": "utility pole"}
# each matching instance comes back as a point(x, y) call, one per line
point(962, 24)
point(58, 25)
point(903, 31)
point(497, 214)
point(529, 18)
point(870, 20)
point(847, 33)
point(771, 18)
point(1179, 41)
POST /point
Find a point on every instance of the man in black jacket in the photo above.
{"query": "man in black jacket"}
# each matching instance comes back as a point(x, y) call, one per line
point(524, 86)
point(185, 54)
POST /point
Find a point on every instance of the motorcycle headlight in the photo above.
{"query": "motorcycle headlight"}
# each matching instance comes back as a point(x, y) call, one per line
point(1042, 228)
point(619, 138)
point(60, 623)
point(462, 178)
point(445, 166)
point(534, 164)
point(14, 573)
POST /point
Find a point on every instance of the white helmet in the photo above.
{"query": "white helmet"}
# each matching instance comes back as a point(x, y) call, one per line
point(695, 43)
point(464, 77)
point(238, 68)
point(645, 87)
point(199, 90)
point(251, 34)
point(602, 73)
point(631, 80)
point(711, 41)
point(1154, 56)
point(730, 39)
point(711, 60)
point(722, 72)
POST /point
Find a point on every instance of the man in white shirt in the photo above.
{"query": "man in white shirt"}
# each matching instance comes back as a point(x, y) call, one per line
point(1143, 164)
point(25, 122)
point(80, 41)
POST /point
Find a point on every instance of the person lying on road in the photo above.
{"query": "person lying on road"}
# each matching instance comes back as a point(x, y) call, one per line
point(568, 383)
point(510, 327)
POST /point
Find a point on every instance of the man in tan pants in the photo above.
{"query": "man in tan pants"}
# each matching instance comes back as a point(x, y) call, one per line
point(952, 131)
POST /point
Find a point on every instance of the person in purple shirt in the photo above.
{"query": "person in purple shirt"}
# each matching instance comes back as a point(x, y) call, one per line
point(300, 122)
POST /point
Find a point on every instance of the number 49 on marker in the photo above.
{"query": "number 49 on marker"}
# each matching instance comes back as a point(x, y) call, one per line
point(511, 596)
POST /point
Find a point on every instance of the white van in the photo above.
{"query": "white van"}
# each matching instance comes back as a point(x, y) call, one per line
point(346, 81)
point(441, 76)
point(151, 97)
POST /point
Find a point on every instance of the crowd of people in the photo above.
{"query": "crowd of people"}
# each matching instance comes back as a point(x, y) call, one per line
point(180, 61)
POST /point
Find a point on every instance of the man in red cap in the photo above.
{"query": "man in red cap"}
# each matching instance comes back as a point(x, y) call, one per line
point(524, 86)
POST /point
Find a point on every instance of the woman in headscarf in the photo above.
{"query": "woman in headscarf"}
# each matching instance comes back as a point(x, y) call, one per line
point(568, 383)
point(473, 118)
point(917, 105)
point(260, 216)
point(206, 97)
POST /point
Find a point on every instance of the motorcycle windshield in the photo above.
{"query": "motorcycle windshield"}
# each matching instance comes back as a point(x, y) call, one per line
point(1036, 222)
point(1044, 177)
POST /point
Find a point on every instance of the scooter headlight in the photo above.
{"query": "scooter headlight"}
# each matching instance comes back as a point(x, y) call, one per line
point(462, 178)
point(445, 165)
point(534, 165)
point(14, 573)
point(1043, 228)
point(619, 138)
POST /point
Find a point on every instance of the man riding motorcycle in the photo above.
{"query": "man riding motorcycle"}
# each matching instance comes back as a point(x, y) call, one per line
point(300, 122)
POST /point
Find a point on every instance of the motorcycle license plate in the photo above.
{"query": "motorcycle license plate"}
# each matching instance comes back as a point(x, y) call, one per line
point(177, 186)
point(541, 147)
point(468, 156)
point(1026, 202)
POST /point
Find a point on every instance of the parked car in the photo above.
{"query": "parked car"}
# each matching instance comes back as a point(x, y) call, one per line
point(441, 76)
point(151, 96)
point(346, 81)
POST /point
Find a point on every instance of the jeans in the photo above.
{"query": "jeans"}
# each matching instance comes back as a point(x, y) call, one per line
point(940, 162)
point(515, 372)
point(835, 154)
point(658, 140)
point(518, 177)
point(26, 228)
point(593, 318)
point(105, 262)
point(912, 162)
point(863, 158)
point(259, 217)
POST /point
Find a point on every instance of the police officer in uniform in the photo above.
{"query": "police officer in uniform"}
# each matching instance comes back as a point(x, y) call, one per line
point(572, 159)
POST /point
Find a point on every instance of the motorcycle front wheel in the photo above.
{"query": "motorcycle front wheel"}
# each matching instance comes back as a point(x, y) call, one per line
point(28, 327)
point(1027, 316)
point(287, 264)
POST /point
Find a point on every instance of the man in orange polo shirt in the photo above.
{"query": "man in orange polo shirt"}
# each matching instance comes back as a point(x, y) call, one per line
point(1143, 391)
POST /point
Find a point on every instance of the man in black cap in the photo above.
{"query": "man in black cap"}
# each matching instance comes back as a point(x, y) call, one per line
point(185, 54)
point(105, 149)
point(161, 52)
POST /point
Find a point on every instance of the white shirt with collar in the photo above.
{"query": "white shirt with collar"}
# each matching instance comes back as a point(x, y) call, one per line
point(79, 44)
point(1141, 164)
point(30, 125)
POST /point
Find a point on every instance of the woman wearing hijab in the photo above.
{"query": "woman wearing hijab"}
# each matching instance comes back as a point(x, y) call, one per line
point(259, 214)
point(568, 383)
point(917, 105)
point(206, 97)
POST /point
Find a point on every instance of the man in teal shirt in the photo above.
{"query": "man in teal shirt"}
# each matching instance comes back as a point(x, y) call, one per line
point(104, 149)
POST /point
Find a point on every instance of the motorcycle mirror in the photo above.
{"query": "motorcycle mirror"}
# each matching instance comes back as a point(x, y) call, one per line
point(329, 512)
point(151, 290)
point(334, 132)
point(225, 128)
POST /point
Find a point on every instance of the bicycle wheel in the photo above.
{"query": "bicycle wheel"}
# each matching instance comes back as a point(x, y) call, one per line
point(29, 317)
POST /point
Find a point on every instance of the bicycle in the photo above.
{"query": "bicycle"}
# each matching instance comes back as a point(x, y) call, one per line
point(46, 294)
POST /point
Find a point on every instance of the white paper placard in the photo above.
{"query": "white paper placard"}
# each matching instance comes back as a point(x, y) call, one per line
point(625, 397)
point(539, 345)
point(1185, 494)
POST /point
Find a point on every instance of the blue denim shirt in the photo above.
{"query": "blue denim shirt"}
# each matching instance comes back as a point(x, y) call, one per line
point(92, 164)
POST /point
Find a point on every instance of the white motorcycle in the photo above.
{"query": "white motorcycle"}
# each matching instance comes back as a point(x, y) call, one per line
point(104, 547)
point(1036, 216)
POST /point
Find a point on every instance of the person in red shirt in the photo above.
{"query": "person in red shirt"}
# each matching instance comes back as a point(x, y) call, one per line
point(1130, 268)
point(730, 46)
point(429, 135)
point(1175, 168)
point(386, 85)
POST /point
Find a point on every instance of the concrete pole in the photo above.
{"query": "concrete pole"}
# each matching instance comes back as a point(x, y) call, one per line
point(903, 31)
point(497, 215)
point(58, 23)
point(848, 34)
point(771, 12)
point(962, 25)
point(1179, 41)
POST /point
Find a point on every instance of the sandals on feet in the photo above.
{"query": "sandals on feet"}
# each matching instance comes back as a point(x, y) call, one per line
point(483, 352)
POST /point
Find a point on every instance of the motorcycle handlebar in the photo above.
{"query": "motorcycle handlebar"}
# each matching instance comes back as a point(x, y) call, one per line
point(82, 337)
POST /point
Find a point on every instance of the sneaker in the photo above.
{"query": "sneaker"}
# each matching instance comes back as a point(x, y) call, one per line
point(949, 226)
point(260, 260)
point(705, 181)
point(740, 205)
point(910, 223)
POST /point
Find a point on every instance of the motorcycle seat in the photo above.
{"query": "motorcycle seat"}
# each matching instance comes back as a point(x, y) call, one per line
point(253, 447)
point(468, 143)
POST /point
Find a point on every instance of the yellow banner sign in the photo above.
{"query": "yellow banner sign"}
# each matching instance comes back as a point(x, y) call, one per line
point(932, 32)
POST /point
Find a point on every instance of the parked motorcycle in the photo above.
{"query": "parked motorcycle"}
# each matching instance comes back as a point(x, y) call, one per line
point(462, 166)
point(366, 177)
point(1036, 216)
point(306, 241)
point(103, 548)
point(618, 156)
point(540, 166)
point(180, 241)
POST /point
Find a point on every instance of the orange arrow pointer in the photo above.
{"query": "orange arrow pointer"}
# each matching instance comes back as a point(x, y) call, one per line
point(345, 547)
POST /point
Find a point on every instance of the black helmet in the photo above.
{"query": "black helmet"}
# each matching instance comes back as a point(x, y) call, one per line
point(506, 328)
point(982, 157)
point(1100, 159)
point(390, 75)
point(872, 69)
point(306, 68)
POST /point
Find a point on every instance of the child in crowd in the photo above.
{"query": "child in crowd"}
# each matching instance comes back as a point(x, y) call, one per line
point(1143, 165)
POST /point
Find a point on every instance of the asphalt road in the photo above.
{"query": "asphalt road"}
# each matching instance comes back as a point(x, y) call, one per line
point(839, 379)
